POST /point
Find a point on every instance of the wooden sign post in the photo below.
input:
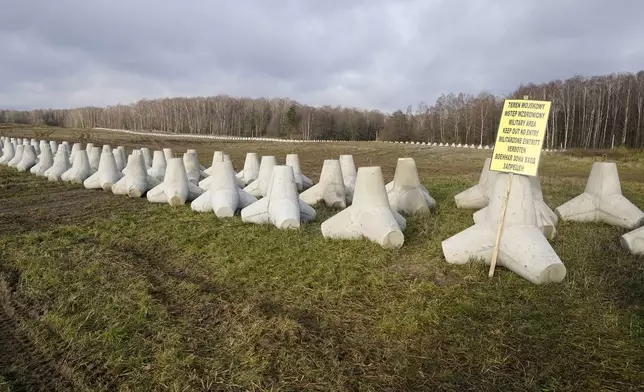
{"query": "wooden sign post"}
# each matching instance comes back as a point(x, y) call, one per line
point(517, 149)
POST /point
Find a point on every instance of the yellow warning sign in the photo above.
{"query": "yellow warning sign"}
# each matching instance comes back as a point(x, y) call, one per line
point(520, 136)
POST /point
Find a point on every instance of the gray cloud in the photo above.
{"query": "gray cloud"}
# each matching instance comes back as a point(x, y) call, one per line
point(373, 54)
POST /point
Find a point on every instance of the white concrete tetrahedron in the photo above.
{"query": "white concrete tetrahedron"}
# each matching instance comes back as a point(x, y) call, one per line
point(17, 157)
point(348, 175)
point(66, 145)
point(406, 194)
point(136, 181)
point(7, 154)
point(28, 159)
point(80, 169)
point(147, 157)
point(251, 168)
point(217, 158)
point(75, 148)
point(60, 166)
point(259, 187)
point(94, 156)
point(119, 158)
point(633, 241)
point(546, 219)
point(88, 149)
point(477, 196)
point(168, 154)
point(158, 165)
point(45, 161)
point(107, 173)
point(602, 201)
point(193, 151)
point(523, 248)
point(302, 181)
point(330, 188)
point(43, 143)
point(224, 197)
point(370, 216)
point(281, 207)
point(175, 189)
point(36, 145)
point(125, 169)
point(53, 146)
point(192, 167)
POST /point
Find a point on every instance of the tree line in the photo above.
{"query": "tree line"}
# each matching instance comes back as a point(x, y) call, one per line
point(587, 112)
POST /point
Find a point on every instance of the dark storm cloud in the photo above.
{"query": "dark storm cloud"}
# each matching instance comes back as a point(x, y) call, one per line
point(374, 54)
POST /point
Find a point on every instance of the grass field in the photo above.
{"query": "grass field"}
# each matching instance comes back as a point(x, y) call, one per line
point(108, 293)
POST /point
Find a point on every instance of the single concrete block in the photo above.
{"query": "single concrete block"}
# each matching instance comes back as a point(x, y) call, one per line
point(136, 181)
point(225, 198)
point(168, 154)
point(193, 151)
point(94, 156)
point(546, 219)
point(53, 146)
point(119, 158)
point(17, 157)
point(330, 188)
point(60, 166)
point(192, 167)
point(125, 169)
point(259, 187)
point(66, 146)
point(36, 145)
point(633, 241)
point(28, 159)
point(158, 165)
point(477, 196)
point(88, 148)
point(147, 157)
point(281, 207)
point(406, 194)
point(251, 168)
point(175, 189)
point(42, 145)
point(348, 175)
point(217, 158)
point(80, 170)
point(7, 153)
point(370, 216)
point(523, 247)
point(602, 201)
point(107, 173)
point(302, 181)
point(75, 148)
point(45, 161)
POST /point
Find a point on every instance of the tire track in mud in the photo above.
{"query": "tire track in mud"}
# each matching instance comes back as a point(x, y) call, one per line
point(22, 366)
point(40, 211)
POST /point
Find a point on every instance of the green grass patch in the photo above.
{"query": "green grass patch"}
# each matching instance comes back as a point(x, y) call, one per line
point(144, 297)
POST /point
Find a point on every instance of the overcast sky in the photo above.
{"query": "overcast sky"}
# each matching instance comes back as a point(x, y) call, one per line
point(376, 54)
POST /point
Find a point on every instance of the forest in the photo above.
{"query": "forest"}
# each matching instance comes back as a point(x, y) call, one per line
point(587, 112)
